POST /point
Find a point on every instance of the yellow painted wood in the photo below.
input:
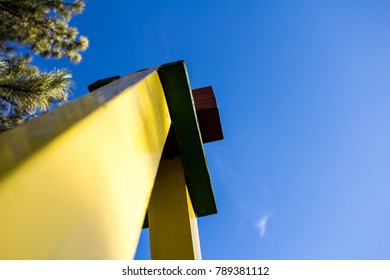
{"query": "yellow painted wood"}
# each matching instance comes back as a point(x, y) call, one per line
point(173, 227)
point(84, 194)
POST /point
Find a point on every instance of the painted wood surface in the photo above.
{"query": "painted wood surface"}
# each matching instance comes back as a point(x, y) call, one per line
point(173, 227)
point(75, 183)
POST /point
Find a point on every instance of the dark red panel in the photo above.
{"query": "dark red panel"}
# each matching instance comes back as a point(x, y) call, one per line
point(208, 114)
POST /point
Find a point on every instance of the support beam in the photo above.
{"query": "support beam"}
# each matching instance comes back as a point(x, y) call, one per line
point(174, 79)
point(75, 183)
point(173, 225)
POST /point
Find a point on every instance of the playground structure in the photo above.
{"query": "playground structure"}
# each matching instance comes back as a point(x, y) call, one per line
point(80, 181)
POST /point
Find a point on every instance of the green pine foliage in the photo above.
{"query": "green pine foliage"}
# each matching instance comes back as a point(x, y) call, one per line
point(35, 27)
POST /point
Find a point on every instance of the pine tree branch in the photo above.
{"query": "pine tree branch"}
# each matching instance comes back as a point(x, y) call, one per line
point(40, 27)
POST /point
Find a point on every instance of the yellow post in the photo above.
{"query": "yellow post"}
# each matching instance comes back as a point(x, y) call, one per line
point(75, 183)
point(173, 226)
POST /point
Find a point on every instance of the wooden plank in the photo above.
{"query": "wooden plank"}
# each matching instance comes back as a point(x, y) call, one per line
point(208, 114)
point(204, 98)
point(174, 78)
point(173, 228)
point(75, 183)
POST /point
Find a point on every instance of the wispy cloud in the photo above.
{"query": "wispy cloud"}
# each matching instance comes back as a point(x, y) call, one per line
point(261, 225)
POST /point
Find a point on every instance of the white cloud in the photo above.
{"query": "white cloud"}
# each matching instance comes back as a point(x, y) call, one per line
point(261, 225)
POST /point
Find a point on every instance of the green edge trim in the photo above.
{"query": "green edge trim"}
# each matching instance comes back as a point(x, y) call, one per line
point(175, 82)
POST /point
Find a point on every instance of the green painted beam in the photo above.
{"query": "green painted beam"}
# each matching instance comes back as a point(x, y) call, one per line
point(177, 89)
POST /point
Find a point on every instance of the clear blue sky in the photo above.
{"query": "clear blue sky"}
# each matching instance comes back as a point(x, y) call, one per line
point(304, 94)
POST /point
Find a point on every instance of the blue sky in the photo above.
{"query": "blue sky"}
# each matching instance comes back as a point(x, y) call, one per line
point(303, 89)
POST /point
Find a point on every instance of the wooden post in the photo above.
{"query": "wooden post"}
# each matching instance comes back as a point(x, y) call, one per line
point(172, 221)
point(75, 183)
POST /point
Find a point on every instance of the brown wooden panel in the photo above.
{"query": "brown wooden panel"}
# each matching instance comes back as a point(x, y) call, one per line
point(208, 114)
point(204, 98)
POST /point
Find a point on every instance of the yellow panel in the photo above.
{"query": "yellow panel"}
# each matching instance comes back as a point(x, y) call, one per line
point(172, 223)
point(84, 195)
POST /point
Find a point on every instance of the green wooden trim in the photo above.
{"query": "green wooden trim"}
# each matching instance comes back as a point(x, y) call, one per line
point(175, 82)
